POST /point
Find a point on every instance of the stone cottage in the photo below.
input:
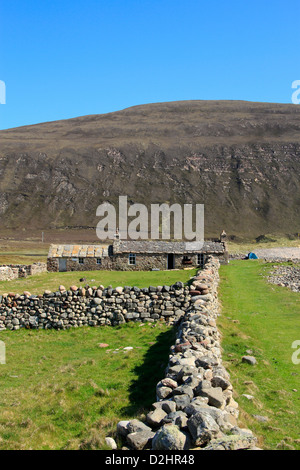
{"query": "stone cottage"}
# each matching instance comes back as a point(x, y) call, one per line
point(133, 255)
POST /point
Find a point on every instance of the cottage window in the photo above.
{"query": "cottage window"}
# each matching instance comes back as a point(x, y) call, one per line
point(99, 260)
point(200, 259)
point(132, 259)
point(81, 260)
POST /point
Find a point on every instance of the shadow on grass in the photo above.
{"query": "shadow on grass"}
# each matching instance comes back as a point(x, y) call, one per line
point(142, 390)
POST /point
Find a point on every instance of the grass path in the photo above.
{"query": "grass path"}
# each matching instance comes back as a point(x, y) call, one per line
point(265, 319)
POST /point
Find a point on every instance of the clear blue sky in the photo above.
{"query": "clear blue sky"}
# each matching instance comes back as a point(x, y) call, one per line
point(67, 58)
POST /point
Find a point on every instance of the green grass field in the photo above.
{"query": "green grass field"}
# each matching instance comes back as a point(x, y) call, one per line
point(60, 390)
point(265, 319)
point(39, 283)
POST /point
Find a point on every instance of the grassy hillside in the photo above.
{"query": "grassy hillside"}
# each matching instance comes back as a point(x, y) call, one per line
point(240, 159)
point(265, 319)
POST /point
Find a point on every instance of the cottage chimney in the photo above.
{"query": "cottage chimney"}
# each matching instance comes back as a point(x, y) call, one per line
point(223, 239)
point(116, 242)
point(223, 236)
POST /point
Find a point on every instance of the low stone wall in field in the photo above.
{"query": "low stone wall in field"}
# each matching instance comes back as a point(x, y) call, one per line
point(238, 256)
point(194, 405)
point(10, 272)
point(94, 306)
point(37, 268)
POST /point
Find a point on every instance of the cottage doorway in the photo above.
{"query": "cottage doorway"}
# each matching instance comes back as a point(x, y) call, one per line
point(171, 261)
point(62, 265)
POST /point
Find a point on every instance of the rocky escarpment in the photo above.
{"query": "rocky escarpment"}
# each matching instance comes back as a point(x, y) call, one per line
point(195, 407)
point(242, 160)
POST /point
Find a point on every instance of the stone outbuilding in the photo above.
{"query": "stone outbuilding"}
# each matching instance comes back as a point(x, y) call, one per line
point(133, 255)
point(79, 257)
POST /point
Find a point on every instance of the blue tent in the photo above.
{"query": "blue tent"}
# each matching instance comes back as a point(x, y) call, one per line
point(252, 256)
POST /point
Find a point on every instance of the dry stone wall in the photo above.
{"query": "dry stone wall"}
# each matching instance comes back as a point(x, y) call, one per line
point(10, 272)
point(194, 405)
point(93, 306)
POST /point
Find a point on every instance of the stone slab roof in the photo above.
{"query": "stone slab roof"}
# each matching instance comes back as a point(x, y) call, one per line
point(132, 246)
point(78, 251)
point(143, 246)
